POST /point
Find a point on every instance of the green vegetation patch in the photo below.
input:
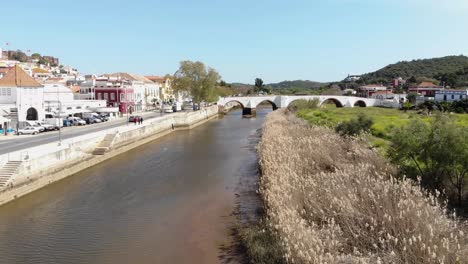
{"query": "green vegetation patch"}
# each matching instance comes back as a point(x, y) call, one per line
point(385, 120)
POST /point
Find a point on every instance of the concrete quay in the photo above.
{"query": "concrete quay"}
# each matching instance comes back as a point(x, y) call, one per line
point(42, 165)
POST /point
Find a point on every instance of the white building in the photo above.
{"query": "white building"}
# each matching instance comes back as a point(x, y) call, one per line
point(21, 97)
point(451, 95)
point(59, 101)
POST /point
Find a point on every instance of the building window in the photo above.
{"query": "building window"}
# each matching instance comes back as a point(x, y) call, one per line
point(461, 96)
point(106, 96)
point(453, 96)
point(445, 97)
point(78, 107)
point(69, 108)
point(99, 96)
point(121, 97)
point(112, 96)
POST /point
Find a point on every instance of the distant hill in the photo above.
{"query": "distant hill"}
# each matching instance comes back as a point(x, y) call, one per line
point(453, 70)
point(298, 84)
point(286, 87)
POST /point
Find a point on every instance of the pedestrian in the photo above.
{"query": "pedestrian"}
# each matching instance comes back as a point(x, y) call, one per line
point(141, 120)
point(135, 120)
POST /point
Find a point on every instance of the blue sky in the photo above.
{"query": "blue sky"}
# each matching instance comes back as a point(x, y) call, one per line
point(242, 39)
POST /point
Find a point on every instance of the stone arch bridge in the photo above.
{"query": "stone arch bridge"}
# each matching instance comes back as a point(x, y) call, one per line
point(250, 103)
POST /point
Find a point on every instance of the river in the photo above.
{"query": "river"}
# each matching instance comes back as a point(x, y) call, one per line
point(169, 201)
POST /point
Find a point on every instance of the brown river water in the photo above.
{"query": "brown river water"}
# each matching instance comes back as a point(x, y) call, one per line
point(169, 201)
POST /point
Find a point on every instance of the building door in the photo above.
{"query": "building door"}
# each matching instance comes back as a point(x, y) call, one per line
point(31, 114)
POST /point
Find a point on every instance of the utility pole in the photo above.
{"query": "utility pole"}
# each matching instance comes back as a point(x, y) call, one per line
point(60, 110)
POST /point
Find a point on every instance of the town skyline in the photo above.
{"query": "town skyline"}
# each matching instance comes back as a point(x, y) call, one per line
point(242, 40)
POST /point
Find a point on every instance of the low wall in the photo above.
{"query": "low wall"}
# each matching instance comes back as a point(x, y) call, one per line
point(45, 164)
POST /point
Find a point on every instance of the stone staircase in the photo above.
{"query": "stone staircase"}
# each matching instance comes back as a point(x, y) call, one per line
point(7, 171)
point(105, 145)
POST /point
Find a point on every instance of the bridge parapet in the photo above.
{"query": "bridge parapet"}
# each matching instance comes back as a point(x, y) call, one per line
point(250, 103)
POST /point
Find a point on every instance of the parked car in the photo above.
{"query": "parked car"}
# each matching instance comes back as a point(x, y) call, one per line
point(187, 106)
point(33, 124)
point(76, 121)
point(29, 130)
point(39, 127)
point(67, 123)
point(168, 109)
point(56, 123)
point(47, 127)
point(92, 120)
point(104, 117)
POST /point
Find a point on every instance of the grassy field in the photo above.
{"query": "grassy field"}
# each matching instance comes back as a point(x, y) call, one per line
point(385, 120)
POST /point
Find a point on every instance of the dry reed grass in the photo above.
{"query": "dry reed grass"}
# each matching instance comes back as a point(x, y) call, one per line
point(333, 200)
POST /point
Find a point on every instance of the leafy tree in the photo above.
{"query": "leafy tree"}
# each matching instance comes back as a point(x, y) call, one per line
point(412, 97)
point(198, 80)
point(444, 106)
point(42, 61)
point(355, 126)
point(436, 152)
point(36, 56)
point(258, 85)
point(460, 106)
point(20, 56)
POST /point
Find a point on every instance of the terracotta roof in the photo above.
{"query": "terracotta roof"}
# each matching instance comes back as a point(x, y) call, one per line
point(17, 77)
point(39, 70)
point(130, 77)
point(427, 85)
point(4, 70)
point(156, 78)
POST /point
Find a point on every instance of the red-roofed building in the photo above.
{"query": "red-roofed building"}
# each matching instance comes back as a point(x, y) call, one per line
point(368, 90)
point(426, 89)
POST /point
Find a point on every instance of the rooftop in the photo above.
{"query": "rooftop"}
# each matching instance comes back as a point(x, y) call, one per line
point(17, 77)
point(130, 77)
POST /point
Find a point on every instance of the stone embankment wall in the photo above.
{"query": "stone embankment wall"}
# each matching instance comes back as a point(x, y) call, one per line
point(45, 164)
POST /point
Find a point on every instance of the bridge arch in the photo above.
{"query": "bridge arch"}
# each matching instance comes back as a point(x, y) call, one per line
point(360, 103)
point(332, 100)
point(234, 101)
point(268, 101)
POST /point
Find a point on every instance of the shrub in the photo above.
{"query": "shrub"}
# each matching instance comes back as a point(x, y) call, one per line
point(355, 126)
point(437, 152)
point(331, 199)
point(261, 244)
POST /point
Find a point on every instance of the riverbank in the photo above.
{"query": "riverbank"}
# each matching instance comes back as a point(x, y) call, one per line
point(331, 199)
point(43, 165)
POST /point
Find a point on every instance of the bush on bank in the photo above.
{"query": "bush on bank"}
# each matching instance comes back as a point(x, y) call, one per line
point(332, 200)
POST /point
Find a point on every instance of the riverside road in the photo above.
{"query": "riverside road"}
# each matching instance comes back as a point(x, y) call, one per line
point(27, 141)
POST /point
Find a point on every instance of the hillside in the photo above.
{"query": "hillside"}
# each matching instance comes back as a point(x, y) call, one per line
point(299, 84)
point(453, 70)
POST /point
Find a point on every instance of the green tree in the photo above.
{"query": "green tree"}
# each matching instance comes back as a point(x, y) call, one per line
point(258, 85)
point(437, 152)
point(412, 97)
point(20, 56)
point(198, 80)
point(36, 56)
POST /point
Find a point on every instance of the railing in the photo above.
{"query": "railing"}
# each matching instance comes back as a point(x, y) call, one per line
point(23, 155)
